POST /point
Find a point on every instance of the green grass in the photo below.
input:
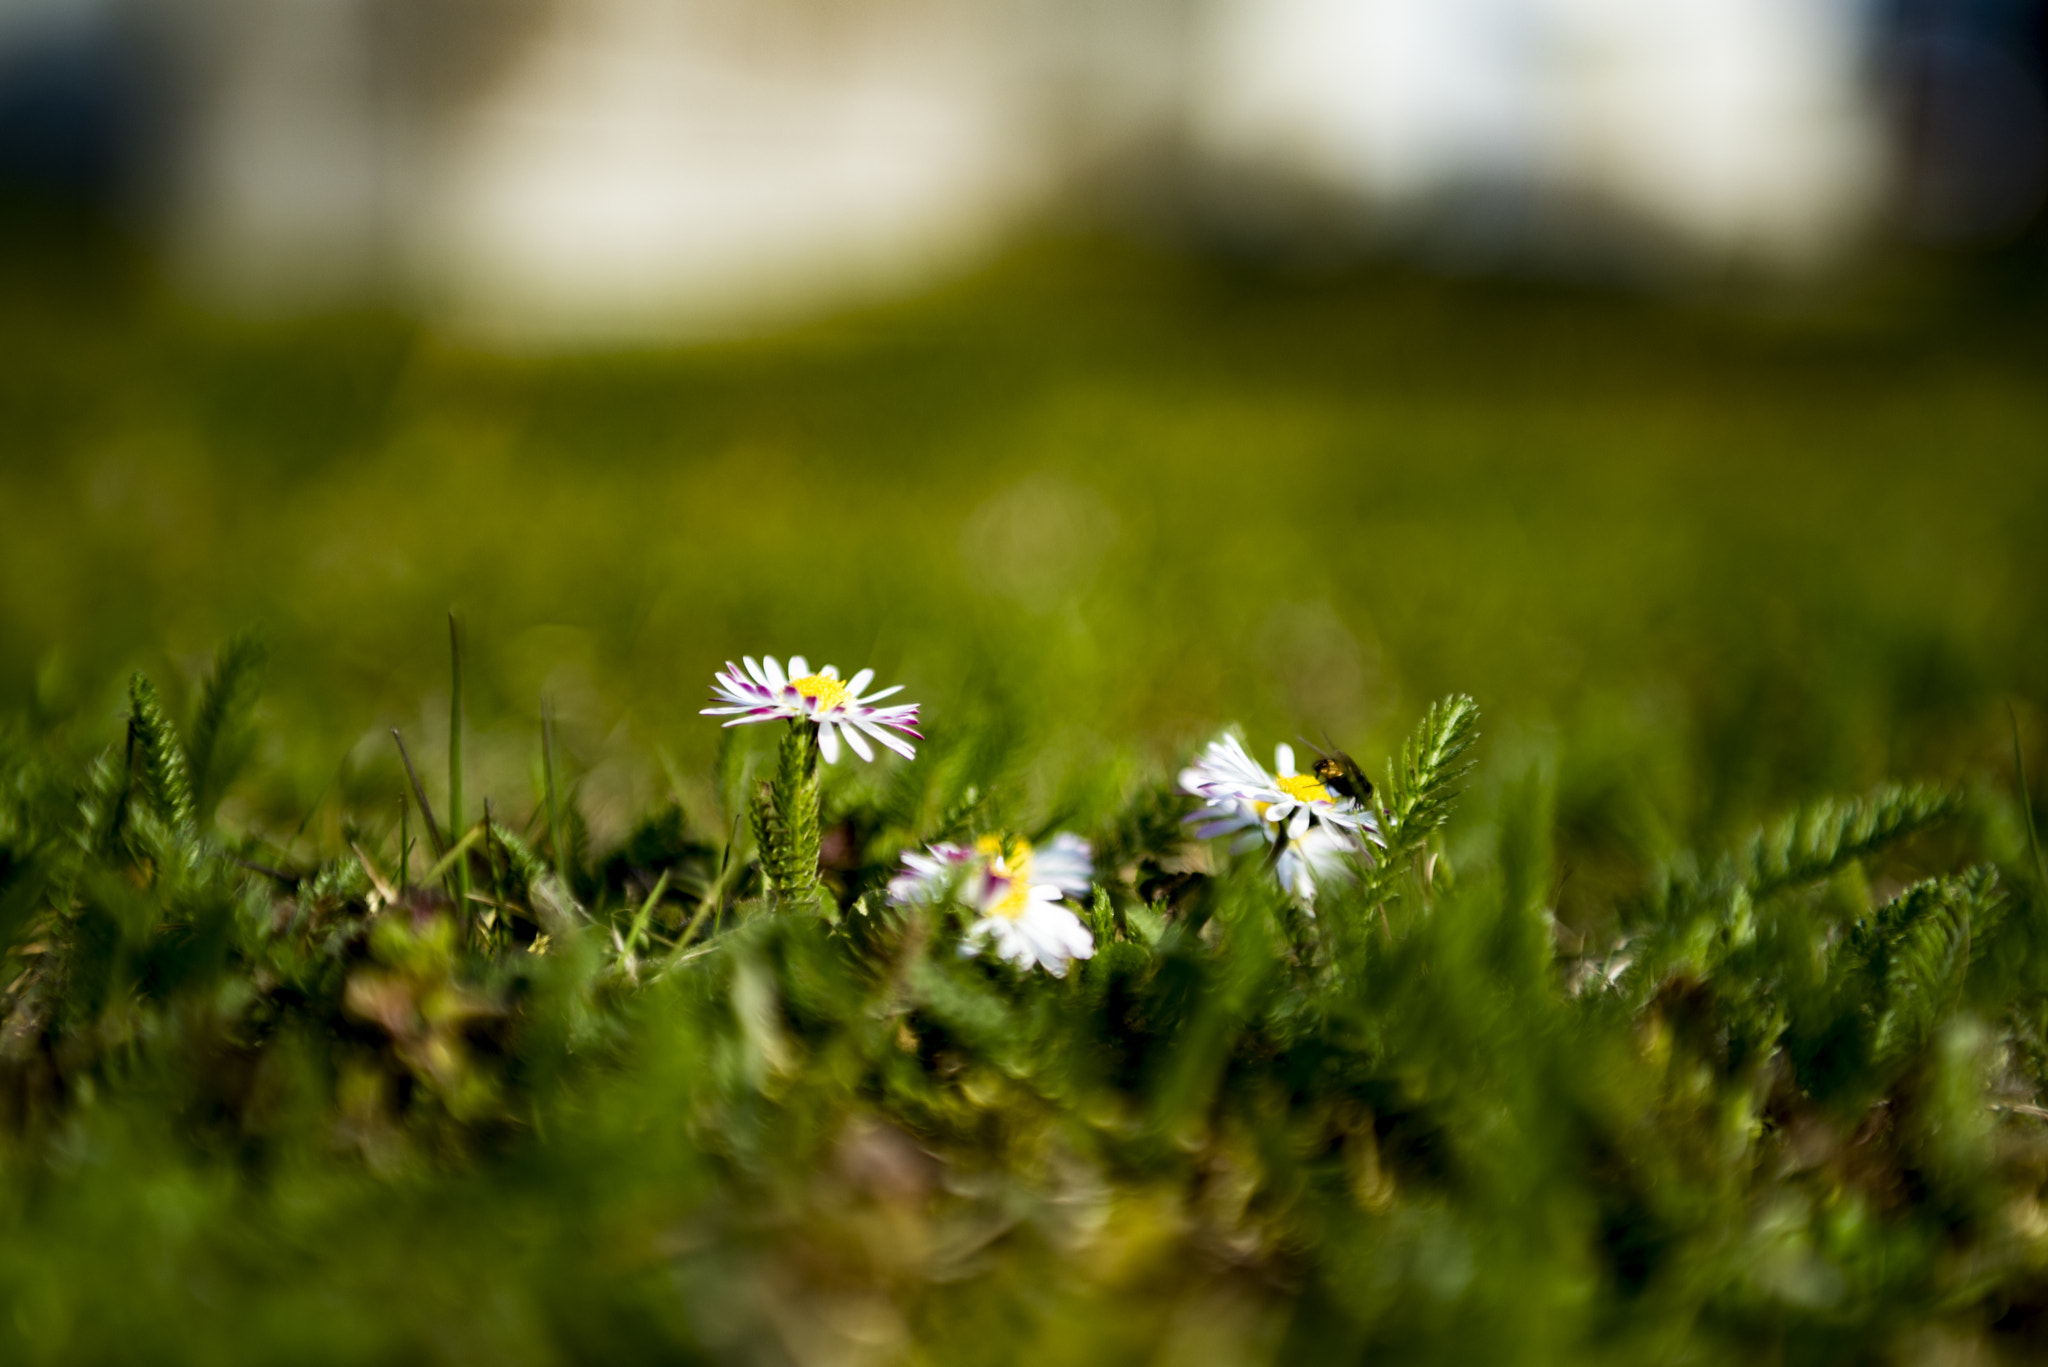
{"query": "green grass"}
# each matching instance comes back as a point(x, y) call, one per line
point(1701, 568)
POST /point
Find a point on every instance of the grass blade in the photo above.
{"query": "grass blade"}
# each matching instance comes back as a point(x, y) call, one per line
point(419, 795)
point(2026, 797)
point(646, 909)
point(455, 759)
point(547, 762)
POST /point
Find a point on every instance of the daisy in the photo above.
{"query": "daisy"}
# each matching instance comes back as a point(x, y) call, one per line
point(836, 706)
point(1239, 794)
point(1017, 891)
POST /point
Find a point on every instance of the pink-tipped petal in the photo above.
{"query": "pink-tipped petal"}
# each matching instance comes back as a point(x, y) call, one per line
point(902, 748)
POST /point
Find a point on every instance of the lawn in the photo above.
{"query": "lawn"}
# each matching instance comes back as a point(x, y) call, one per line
point(1602, 1060)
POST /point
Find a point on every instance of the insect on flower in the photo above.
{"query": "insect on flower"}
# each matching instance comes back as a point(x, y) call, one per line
point(1015, 889)
point(1312, 831)
point(1239, 794)
point(837, 707)
point(1341, 775)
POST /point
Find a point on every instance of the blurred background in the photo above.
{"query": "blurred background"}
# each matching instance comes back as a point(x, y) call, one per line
point(545, 170)
point(1665, 372)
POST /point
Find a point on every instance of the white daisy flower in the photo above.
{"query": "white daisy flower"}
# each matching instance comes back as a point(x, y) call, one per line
point(1238, 793)
point(837, 707)
point(1017, 893)
point(1317, 832)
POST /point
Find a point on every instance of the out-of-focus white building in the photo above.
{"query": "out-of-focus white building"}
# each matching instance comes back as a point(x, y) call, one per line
point(556, 169)
point(1733, 126)
point(610, 166)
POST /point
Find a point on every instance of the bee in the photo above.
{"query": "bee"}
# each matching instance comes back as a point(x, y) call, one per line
point(1340, 773)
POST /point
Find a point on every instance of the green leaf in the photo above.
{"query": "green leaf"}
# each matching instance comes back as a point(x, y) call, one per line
point(785, 821)
point(1818, 839)
point(1911, 956)
point(221, 743)
point(160, 758)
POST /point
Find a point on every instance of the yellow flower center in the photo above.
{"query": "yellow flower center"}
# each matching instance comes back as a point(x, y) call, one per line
point(1302, 787)
point(1016, 866)
point(826, 691)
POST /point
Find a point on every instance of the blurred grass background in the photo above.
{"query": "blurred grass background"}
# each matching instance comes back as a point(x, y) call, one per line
point(1717, 556)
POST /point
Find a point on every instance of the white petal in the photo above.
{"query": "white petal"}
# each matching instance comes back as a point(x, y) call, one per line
point(776, 680)
point(1058, 936)
point(828, 742)
point(1010, 944)
point(754, 669)
point(1043, 945)
point(830, 671)
point(901, 747)
point(977, 938)
point(890, 691)
point(1074, 936)
point(1298, 827)
point(1283, 758)
point(859, 681)
point(860, 747)
point(799, 668)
